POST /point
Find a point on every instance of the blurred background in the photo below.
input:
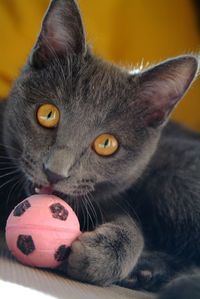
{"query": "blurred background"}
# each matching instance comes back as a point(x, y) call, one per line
point(127, 32)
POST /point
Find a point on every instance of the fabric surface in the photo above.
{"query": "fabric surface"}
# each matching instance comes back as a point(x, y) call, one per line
point(11, 289)
point(48, 285)
point(126, 32)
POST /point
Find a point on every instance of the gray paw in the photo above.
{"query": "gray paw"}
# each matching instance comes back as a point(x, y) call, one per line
point(98, 257)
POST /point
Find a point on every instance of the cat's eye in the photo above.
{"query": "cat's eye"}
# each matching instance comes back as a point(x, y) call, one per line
point(48, 116)
point(105, 145)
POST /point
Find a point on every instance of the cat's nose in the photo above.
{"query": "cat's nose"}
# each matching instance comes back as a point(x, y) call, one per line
point(52, 177)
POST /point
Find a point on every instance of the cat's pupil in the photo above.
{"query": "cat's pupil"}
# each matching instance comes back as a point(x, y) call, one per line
point(106, 143)
point(49, 115)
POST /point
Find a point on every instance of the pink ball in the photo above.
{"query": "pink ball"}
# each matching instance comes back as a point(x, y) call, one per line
point(40, 231)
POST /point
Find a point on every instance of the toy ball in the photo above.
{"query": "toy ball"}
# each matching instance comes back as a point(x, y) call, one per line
point(40, 231)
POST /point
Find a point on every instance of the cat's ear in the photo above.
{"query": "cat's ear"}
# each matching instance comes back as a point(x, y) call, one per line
point(61, 34)
point(161, 87)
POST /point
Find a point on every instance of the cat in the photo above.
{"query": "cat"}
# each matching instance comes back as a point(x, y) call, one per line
point(99, 137)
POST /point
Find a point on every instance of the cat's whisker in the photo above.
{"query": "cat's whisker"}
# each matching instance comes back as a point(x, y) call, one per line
point(9, 173)
point(19, 179)
point(82, 205)
point(8, 158)
point(89, 219)
point(6, 163)
point(21, 187)
point(102, 220)
point(93, 211)
point(6, 168)
point(9, 147)
point(7, 182)
point(87, 214)
point(76, 207)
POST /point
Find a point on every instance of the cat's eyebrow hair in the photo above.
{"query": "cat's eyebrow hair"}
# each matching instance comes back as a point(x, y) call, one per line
point(43, 99)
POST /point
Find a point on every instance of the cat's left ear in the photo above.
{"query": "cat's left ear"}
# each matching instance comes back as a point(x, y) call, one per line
point(161, 87)
point(62, 33)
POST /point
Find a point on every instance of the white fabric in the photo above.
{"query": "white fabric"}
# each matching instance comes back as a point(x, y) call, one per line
point(12, 290)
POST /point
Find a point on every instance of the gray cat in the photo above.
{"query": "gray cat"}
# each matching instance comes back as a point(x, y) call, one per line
point(99, 137)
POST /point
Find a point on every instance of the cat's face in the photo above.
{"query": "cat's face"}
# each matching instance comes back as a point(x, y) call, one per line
point(91, 103)
point(104, 123)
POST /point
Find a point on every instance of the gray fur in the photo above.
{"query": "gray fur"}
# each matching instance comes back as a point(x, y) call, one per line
point(136, 198)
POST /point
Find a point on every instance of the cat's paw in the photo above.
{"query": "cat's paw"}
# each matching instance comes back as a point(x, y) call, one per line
point(151, 273)
point(92, 260)
point(96, 257)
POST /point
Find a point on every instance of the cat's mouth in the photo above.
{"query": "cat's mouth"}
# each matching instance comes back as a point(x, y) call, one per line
point(50, 189)
point(43, 189)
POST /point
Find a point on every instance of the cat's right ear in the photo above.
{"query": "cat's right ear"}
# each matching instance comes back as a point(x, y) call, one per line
point(161, 87)
point(62, 33)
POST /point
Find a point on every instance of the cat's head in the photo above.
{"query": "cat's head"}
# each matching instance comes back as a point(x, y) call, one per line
point(80, 125)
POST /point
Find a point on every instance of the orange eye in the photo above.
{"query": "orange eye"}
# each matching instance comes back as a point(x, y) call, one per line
point(48, 116)
point(105, 145)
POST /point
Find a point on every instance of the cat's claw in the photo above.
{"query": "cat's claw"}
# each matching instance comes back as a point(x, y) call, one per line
point(151, 273)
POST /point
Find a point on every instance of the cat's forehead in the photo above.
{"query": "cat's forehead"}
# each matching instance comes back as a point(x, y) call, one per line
point(93, 86)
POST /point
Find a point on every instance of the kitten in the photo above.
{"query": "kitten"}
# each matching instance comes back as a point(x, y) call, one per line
point(99, 137)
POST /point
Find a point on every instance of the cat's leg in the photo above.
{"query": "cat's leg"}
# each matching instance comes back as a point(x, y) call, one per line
point(186, 286)
point(152, 272)
point(107, 254)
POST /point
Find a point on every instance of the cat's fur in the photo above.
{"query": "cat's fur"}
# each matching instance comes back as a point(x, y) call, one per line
point(140, 208)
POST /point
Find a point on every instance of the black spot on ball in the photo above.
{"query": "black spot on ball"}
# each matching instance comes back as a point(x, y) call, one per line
point(25, 244)
point(21, 208)
point(62, 253)
point(59, 212)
